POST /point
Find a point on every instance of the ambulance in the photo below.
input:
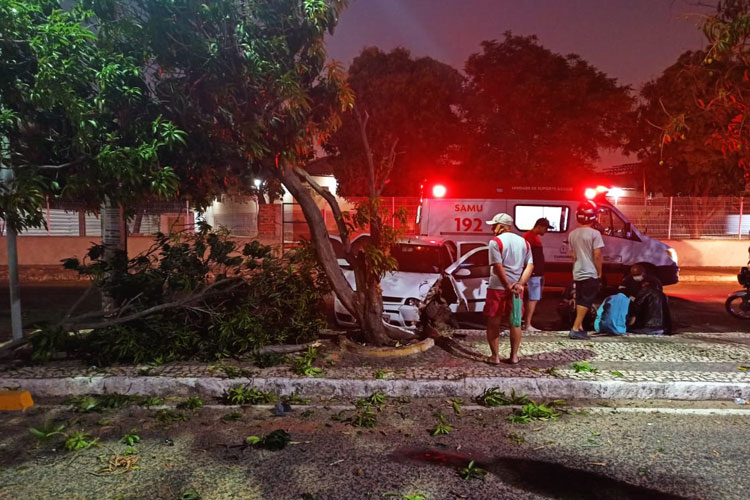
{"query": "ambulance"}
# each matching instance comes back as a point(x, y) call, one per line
point(450, 251)
point(463, 221)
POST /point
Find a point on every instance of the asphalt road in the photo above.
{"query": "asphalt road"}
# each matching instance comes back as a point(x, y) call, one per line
point(609, 455)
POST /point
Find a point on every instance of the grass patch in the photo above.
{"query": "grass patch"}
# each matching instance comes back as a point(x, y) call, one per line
point(471, 471)
point(131, 438)
point(192, 403)
point(442, 428)
point(583, 366)
point(249, 395)
point(533, 411)
point(46, 431)
point(91, 403)
point(166, 417)
point(79, 440)
point(302, 365)
point(234, 416)
point(274, 441)
point(376, 399)
point(495, 397)
point(365, 418)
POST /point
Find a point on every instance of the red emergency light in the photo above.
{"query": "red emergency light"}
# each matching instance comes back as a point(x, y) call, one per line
point(438, 191)
point(592, 193)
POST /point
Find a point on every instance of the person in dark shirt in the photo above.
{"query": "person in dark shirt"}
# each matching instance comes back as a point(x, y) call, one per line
point(631, 284)
point(650, 312)
point(536, 282)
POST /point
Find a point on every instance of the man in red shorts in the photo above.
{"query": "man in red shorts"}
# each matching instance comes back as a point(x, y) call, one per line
point(511, 265)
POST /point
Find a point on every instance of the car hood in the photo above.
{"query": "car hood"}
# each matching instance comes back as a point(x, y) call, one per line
point(401, 284)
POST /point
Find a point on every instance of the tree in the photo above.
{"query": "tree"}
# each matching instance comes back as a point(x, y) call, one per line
point(533, 113)
point(76, 120)
point(727, 62)
point(249, 83)
point(676, 141)
point(400, 128)
point(412, 105)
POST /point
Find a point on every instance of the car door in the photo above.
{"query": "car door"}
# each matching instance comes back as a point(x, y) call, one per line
point(470, 276)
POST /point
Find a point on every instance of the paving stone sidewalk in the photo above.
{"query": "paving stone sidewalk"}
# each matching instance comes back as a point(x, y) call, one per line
point(689, 366)
point(710, 357)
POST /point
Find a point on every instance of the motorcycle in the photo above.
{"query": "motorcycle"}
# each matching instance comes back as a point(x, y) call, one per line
point(738, 304)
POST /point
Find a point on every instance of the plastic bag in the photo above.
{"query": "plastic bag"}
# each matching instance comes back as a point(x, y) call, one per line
point(516, 313)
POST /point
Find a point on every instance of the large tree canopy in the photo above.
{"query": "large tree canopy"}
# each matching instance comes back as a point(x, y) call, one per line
point(249, 83)
point(413, 119)
point(676, 136)
point(533, 113)
point(76, 118)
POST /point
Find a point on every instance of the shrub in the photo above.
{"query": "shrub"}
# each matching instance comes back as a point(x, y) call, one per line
point(217, 300)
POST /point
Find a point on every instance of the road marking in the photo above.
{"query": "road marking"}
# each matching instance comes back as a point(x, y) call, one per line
point(668, 411)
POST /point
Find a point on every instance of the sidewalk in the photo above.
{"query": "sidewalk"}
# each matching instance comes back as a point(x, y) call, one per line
point(698, 366)
point(708, 274)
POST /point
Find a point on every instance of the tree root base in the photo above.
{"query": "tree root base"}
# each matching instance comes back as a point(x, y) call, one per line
point(387, 352)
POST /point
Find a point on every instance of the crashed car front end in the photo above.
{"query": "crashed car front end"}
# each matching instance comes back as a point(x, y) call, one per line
point(407, 298)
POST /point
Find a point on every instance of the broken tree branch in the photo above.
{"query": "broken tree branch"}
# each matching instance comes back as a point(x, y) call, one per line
point(206, 293)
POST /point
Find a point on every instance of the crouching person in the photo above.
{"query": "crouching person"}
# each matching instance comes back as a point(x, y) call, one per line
point(649, 313)
point(612, 315)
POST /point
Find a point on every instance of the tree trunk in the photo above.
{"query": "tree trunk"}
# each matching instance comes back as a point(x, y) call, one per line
point(366, 304)
point(373, 328)
point(6, 177)
point(15, 291)
point(319, 239)
point(114, 240)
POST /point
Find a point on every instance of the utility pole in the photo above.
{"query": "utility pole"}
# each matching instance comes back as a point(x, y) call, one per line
point(6, 177)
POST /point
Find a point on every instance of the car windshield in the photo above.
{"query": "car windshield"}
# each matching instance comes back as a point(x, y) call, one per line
point(420, 258)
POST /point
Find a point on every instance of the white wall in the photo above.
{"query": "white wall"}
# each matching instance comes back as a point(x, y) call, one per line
point(711, 253)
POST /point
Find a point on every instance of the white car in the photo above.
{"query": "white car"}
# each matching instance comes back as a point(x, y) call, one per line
point(425, 262)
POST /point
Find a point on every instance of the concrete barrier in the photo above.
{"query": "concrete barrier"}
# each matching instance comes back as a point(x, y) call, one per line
point(711, 253)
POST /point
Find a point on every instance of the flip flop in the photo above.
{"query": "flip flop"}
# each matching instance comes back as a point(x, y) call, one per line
point(509, 362)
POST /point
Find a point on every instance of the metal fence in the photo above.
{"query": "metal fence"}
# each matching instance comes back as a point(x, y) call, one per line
point(688, 217)
point(663, 218)
point(72, 219)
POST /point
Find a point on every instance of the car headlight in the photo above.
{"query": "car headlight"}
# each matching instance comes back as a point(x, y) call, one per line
point(672, 254)
point(411, 301)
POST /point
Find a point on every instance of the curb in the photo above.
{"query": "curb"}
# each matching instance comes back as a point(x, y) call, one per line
point(539, 388)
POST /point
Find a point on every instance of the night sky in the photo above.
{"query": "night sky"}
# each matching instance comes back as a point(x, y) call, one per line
point(631, 40)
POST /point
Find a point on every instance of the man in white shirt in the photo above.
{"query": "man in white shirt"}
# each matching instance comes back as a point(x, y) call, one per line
point(511, 265)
